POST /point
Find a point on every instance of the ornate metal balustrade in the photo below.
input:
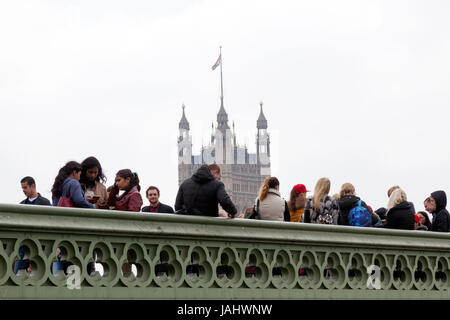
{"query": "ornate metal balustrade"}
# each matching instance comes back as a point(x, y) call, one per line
point(123, 255)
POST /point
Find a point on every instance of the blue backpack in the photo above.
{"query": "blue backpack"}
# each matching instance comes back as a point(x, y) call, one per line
point(360, 216)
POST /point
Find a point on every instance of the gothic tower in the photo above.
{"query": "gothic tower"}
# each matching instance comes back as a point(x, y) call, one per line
point(184, 141)
point(263, 144)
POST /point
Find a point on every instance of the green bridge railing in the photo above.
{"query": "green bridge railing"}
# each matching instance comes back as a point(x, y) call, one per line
point(123, 255)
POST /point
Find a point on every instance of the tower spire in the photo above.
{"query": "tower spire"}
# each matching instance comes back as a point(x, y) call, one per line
point(184, 124)
point(261, 123)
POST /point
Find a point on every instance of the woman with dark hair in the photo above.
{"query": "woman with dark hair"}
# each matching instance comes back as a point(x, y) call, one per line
point(66, 190)
point(92, 178)
point(270, 204)
point(424, 220)
point(131, 199)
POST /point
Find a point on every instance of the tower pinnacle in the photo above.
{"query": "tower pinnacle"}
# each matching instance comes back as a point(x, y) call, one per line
point(261, 123)
point(184, 124)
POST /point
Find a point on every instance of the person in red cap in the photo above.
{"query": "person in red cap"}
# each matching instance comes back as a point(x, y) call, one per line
point(297, 203)
point(417, 223)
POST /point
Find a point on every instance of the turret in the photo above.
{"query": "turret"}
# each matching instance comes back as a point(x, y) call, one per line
point(184, 141)
point(263, 143)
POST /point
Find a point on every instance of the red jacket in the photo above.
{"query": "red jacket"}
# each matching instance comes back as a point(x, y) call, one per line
point(131, 202)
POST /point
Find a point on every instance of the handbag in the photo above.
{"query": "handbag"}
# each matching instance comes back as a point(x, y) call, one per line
point(254, 214)
point(65, 201)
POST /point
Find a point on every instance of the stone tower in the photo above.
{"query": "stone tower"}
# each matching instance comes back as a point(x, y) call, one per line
point(242, 173)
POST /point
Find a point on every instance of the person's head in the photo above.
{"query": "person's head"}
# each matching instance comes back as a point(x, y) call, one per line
point(397, 196)
point(437, 201)
point(126, 180)
point(152, 195)
point(29, 187)
point(321, 190)
point(215, 170)
point(71, 169)
point(424, 219)
point(91, 172)
point(430, 204)
point(391, 189)
point(347, 189)
point(297, 199)
point(269, 183)
point(381, 212)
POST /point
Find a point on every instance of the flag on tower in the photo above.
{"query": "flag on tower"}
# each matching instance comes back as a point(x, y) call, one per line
point(218, 62)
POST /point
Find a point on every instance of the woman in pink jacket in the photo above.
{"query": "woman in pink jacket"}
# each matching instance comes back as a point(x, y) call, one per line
point(131, 199)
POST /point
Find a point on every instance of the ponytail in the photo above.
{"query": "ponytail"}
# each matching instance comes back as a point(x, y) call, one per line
point(269, 183)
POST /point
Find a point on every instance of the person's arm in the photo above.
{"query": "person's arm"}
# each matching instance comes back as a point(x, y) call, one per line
point(225, 200)
point(441, 223)
point(78, 198)
point(307, 214)
point(179, 200)
point(390, 221)
point(135, 202)
point(113, 196)
point(287, 214)
point(102, 202)
point(336, 212)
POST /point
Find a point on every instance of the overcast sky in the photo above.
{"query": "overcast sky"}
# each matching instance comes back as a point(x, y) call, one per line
point(356, 91)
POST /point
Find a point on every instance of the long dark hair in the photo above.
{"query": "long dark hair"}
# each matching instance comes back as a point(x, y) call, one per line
point(89, 163)
point(134, 180)
point(292, 200)
point(63, 173)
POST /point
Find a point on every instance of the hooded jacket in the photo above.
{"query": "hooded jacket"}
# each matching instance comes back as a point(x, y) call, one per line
point(441, 217)
point(201, 194)
point(400, 217)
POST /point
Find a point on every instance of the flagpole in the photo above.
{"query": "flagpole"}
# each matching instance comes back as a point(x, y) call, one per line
point(221, 81)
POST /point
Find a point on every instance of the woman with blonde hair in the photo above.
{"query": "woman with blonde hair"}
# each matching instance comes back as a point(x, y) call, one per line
point(321, 208)
point(399, 214)
point(270, 205)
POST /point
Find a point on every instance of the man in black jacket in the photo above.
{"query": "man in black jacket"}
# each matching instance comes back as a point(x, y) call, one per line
point(153, 195)
point(33, 197)
point(435, 204)
point(201, 194)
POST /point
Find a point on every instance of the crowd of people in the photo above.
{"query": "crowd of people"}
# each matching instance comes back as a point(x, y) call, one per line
point(83, 185)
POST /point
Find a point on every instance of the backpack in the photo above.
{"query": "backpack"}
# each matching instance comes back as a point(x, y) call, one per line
point(65, 201)
point(360, 216)
point(324, 214)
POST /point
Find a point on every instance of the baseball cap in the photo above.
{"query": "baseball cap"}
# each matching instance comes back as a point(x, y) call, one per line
point(416, 218)
point(299, 188)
